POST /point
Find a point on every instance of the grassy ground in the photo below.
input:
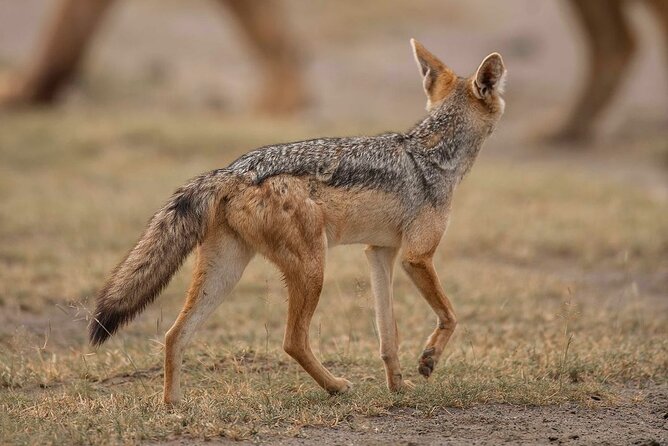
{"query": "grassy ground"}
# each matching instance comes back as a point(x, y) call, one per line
point(558, 280)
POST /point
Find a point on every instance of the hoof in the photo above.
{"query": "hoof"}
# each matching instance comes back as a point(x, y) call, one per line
point(171, 400)
point(404, 386)
point(342, 386)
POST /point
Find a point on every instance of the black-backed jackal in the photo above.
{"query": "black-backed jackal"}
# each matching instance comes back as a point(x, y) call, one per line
point(289, 202)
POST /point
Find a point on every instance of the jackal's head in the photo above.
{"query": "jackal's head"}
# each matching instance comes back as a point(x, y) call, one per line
point(479, 93)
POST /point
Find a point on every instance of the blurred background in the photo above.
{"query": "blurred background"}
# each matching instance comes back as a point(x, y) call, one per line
point(106, 107)
point(577, 68)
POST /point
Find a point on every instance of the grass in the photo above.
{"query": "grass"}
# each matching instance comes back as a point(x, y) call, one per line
point(557, 277)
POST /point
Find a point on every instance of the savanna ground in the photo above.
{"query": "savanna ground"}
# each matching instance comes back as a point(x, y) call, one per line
point(556, 259)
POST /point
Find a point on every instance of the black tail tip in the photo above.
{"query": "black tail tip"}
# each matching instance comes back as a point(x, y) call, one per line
point(103, 326)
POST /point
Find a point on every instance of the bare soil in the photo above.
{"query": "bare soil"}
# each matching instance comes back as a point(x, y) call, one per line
point(629, 423)
point(641, 418)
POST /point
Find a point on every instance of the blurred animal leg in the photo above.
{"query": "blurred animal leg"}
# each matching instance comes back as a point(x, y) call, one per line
point(265, 26)
point(61, 50)
point(611, 45)
point(660, 9)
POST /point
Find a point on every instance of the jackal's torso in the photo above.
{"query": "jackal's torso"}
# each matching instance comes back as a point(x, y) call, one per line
point(371, 188)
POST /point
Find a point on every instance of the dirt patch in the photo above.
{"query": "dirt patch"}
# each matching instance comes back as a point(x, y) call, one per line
point(641, 418)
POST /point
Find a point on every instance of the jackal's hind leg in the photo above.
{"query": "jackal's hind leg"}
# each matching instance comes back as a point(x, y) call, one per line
point(221, 261)
point(304, 280)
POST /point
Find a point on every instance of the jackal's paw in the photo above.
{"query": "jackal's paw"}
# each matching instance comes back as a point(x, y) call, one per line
point(342, 386)
point(427, 363)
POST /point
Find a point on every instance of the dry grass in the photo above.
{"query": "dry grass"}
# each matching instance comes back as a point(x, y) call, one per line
point(558, 280)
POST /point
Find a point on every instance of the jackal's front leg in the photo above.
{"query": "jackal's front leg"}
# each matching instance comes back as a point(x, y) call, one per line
point(422, 273)
point(381, 262)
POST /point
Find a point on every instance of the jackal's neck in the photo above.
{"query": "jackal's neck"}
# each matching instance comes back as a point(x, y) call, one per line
point(446, 140)
point(435, 125)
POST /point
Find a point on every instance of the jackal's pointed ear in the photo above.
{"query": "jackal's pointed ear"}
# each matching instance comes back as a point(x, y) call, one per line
point(432, 70)
point(490, 77)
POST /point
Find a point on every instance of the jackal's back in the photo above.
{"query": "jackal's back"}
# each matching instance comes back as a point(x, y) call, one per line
point(370, 161)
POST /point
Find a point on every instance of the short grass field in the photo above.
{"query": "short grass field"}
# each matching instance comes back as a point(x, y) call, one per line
point(557, 275)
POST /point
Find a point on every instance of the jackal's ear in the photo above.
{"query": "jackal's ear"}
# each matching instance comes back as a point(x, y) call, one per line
point(432, 70)
point(490, 77)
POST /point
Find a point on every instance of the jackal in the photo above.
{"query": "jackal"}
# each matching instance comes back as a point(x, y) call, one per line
point(289, 202)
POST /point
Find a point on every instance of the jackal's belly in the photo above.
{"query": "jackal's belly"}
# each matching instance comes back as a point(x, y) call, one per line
point(286, 212)
point(362, 216)
point(363, 232)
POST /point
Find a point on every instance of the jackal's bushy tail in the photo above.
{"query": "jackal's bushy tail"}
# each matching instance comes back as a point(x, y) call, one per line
point(171, 235)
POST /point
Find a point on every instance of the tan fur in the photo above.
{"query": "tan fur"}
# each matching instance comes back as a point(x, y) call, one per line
point(362, 216)
point(443, 85)
point(291, 222)
point(280, 220)
point(433, 140)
